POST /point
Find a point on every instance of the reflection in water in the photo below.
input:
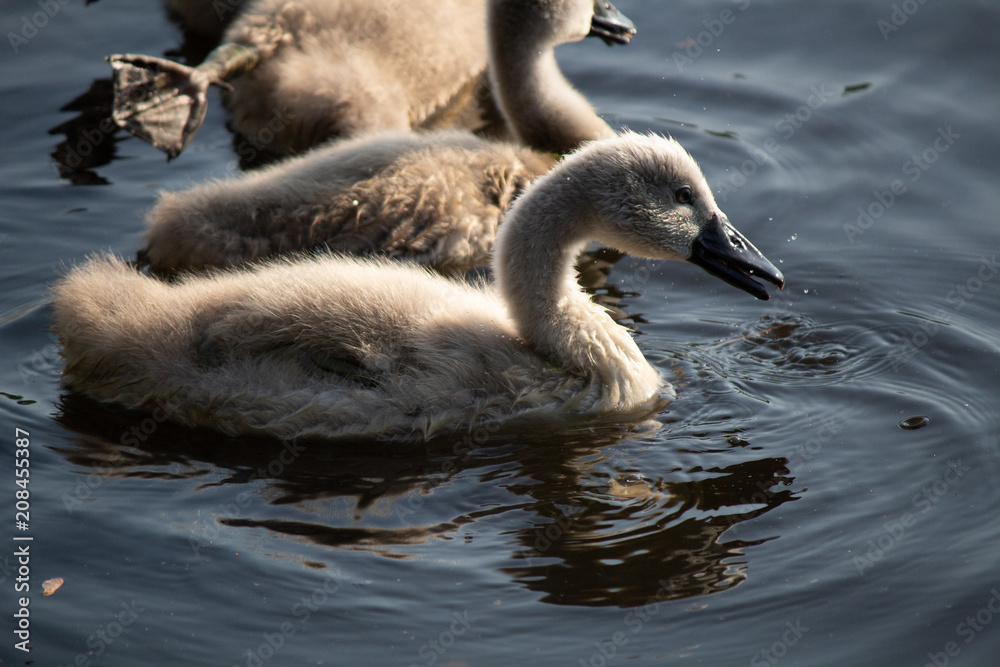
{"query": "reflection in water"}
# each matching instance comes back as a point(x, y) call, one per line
point(664, 542)
point(598, 535)
point(90, 136)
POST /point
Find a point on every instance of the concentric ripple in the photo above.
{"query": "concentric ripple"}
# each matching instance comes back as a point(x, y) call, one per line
point(791, 348)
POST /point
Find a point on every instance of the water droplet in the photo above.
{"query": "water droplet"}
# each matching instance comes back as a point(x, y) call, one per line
point(913, 423)
point(737, 441)
point(633, 478)
point(793, 237)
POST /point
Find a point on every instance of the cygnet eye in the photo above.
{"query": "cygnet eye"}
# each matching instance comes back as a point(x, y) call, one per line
point(683, 195)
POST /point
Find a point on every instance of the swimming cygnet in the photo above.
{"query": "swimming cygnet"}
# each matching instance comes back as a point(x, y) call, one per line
point(332, 346)
point(435, 197)
point(300, 72)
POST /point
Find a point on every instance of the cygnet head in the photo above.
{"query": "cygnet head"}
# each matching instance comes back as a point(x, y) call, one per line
point(610, 24)
point(645, 195)
point(549, 23)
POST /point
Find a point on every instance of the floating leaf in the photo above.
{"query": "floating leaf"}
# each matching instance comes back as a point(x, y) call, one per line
point(50, 586)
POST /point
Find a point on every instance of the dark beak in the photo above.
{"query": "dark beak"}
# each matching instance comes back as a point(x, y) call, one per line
point(727, 254)
point(610, 24)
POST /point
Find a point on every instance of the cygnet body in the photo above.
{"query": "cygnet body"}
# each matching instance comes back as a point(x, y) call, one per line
point(300, 72)
point(433, 197)
point(332, 346)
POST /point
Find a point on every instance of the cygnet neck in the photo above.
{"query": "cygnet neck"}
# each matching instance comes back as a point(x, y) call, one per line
point(535, 267)
point(540, 105)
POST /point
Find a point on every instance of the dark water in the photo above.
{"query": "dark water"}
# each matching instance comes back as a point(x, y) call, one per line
point(775, 513)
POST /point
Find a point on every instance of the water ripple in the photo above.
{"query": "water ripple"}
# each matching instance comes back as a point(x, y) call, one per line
point(792, 348)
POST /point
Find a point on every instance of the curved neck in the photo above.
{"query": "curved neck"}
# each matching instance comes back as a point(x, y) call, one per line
point(535, 267)
point(535, 261)
point(540, 105)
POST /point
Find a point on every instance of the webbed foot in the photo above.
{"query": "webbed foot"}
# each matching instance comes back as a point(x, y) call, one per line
point(160, 101)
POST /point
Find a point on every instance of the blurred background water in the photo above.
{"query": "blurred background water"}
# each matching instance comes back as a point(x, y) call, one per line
point(822, 492)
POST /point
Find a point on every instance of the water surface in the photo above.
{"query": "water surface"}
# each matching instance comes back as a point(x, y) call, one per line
point(775, 513)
